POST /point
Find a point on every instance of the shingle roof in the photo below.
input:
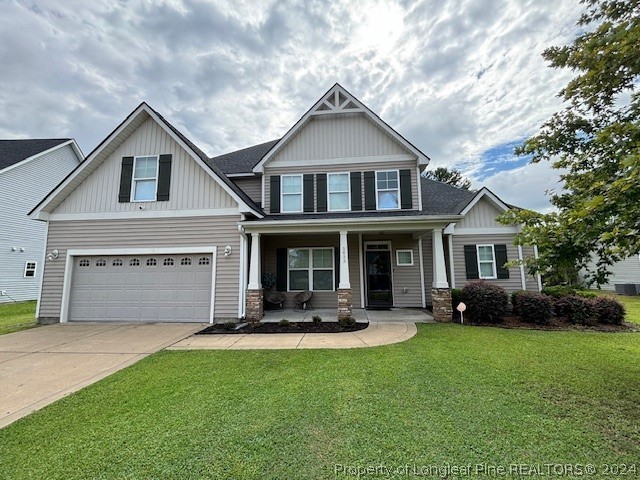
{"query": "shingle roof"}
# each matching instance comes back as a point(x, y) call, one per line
point(14, 151)
point(243, 161)
point(440, 198)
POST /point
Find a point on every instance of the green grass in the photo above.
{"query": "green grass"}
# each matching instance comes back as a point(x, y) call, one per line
point(17, 316)
point(453, 395)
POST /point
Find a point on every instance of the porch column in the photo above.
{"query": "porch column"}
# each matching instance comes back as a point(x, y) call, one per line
point(440, 292)
point(344, 287)
point(254, 310)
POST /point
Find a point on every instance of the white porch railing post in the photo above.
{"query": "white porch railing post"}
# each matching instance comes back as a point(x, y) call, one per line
point(254, 265)
point(344, 262)
point(439, 265)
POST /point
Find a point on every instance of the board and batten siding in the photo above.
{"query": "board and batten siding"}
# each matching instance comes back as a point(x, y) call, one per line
point(252, 186)
point(21, 189)
point(146, 233)
point(191, 186)
point(514, 282)
point(482, 215)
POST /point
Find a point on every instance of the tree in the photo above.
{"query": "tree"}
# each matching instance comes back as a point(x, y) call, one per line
point(595, 141)
point(451, 176)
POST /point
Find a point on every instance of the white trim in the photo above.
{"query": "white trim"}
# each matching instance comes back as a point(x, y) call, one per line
point(262, 193)
point(522, 277)
point(44, 259)
point(72, 143)
point(387, 243)
point(240, 175)
point(348, 209)
point(485, 192)
point(388, 190)
point(132, 198)
point(538, 276)
point(76, 252)
point(404, 250)
point(337, 88)
point(422, 286)
point(493, 260)
point(242, 272)
point(310, 269)
point(452, 270)
point(204, 212)
point(282, 193)
point(361, 262)
point(278, 163)
point(419, 177)
point(35, 269)
point(214, 268)
point(486, 231)
point(449, 229)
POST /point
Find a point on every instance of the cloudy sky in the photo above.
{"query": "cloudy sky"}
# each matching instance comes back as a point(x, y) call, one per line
point(463, 80)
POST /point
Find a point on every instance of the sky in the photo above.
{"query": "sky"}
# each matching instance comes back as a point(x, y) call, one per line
point(463, 80)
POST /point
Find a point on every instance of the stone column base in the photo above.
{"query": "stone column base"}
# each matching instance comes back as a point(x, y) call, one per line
point(254, 311)
point(441, 300)
point(344, 303)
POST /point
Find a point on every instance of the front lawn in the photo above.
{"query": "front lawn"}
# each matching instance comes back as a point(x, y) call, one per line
point(455, 395)
point(17, 316)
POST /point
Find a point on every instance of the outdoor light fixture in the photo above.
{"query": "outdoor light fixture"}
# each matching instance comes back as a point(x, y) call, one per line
point(227, 250)
point(53, 254)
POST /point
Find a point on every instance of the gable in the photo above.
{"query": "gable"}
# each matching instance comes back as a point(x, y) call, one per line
point(339, 137)
point(191, 186)
point(482, 215)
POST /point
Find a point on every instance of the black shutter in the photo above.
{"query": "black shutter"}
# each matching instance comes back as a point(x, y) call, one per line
point(356, 191)
point(275, 194)
point(471, 262)
point(164, 178)
point(369, 190)
point(336, 261)
point(125, 180)
point(281, 269)
point(406, 200)
point(501, 259)
point(307, 192)
point(321, 185)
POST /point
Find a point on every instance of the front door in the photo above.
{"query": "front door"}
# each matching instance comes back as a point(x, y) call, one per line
point(378, 268)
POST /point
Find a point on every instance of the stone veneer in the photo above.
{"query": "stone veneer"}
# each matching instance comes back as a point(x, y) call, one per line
point(441, 300)
point(254, 311)
point(344, 303)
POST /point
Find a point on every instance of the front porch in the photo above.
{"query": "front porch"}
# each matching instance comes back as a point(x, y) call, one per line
point(394, 315)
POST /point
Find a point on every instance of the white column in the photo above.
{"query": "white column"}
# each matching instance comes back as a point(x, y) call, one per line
point(344, 262)
point(523, 280)
point(439, 265)
point(254, 265)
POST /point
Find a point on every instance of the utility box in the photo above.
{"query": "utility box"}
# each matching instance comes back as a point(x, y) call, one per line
point(626, 288)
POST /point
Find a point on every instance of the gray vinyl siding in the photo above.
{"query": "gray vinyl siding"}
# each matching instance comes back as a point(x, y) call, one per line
point(406, 276)
point(191, 186)
point(21, 189)
point(482, 215)
point(146, 233)
point(514, 282)
point(625, 271)
point(252, 186)
point(353, 167)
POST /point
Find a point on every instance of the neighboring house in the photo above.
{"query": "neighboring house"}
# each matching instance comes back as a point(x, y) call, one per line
point(149, 228)
point(626, 271)
point(29, 169)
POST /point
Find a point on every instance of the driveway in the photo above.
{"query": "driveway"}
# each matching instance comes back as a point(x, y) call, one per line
point(42, 365)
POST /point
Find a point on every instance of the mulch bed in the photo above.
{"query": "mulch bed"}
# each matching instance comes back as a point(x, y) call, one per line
point(270, 327)
point(556, 324)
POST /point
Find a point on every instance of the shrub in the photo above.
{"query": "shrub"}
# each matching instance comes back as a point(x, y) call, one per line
point(456, 297)
point(317, 320)
point(485, 301)
point(349, 322)
point(514, 300)
point(585, 294)
point(558, 291)
point(576, 309)
point(534, 307)
point(608, 310)
point(284, 322)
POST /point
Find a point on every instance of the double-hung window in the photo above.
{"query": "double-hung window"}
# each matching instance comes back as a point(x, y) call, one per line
point(486, 261)
point(339, 192)
point(387, 190)
point(310, 269)
point(144, 184)
point(291, 192)
point(30, 269)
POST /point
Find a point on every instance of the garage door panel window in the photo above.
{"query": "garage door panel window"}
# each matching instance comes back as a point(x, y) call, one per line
point(311, 269)
point(151, 262)
point(168, 262)
point(134, 262)
point(185, 262)
point(204, 261)
point(118, 262)
point(101, 262)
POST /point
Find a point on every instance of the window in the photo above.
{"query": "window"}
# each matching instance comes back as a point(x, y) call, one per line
point(117, 262)
point(134, 262)
point(338, 191)
point(185, 261)
point(84, 263)
point(101, 262)
point(203, 261)
point(151, 262)
point(404, 258)
point(168, 262)
point(291, 193)
point(145, 179)
point(30, 269)
point(310, 269)
point(486, 261)
point(387, 190)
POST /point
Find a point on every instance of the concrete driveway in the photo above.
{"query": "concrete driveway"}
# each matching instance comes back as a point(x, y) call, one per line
point(42, 365)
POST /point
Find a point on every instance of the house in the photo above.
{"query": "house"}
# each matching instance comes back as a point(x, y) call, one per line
point(28, 170)
point(149, 228)
point(624, 272)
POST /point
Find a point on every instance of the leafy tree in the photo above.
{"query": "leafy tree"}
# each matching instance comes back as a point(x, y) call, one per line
point(595, 140)
point(451, 176)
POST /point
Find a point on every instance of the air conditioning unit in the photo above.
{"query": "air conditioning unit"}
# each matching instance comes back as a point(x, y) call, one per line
point(626, 289)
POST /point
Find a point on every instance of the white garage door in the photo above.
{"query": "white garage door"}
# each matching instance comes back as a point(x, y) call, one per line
point(154, 288)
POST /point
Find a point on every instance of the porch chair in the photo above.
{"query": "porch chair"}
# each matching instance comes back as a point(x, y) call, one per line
point(302, 301)
point(275, 298)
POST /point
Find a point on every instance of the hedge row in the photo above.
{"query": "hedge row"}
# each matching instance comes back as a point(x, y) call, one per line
point(487, 302)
